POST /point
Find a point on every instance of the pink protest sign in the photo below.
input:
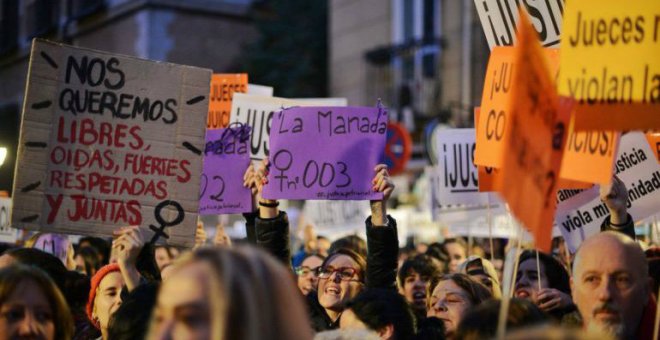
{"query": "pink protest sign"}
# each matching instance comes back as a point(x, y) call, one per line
point(325, 153)
point(226, 157)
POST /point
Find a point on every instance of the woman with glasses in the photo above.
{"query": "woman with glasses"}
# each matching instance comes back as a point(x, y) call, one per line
point(344, 273)
point(307, 273)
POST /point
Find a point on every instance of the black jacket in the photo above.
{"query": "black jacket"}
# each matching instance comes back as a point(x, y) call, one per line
point(627, 229)
point(382, 256)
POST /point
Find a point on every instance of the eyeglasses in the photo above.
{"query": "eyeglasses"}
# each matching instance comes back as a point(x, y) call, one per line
point(345, 273)
point(306, 271)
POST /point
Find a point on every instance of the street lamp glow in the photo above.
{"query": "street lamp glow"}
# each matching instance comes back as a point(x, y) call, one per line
point(3, 155)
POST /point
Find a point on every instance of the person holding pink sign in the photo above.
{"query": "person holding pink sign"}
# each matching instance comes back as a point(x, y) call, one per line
point(344, 273)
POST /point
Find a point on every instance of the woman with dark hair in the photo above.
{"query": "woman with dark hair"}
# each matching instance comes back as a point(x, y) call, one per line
point(481, 322)
point(547, 286)
point(452, 296)
point(88, 261)
point(32, 306)
point(383, 311)
point(307, 273)
point(343, 273)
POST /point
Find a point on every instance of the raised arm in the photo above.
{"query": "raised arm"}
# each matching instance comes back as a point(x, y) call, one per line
point(382, 238)
point(615, 197)
point(271, 226)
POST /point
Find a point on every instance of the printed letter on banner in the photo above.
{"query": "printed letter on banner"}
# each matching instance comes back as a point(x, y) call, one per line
point(610, 63)
point(580, 216)
point(499, 19)
point(223, 87)
point(588, 155)
point(226, 157)
point(536, 133)
point(257, 111)
point(458, 178)
point(326, 153)
point(108, 141)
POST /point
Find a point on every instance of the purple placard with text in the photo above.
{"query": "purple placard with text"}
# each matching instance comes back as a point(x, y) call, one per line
point(325, 153)
point(226, 157)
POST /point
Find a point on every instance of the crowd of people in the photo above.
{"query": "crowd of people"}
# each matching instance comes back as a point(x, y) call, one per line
point(261, 288)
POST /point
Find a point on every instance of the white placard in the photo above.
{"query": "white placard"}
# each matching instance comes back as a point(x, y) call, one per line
point(456, 179)
point(499, 19)
point(581, 215)
point(7, 233)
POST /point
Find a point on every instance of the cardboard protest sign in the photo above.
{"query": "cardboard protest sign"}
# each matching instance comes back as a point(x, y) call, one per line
point(7, 233)
point(536, 133)
point(257, 112)
point(584, 159)
point(581, 215)
point(499, 19)
point(223, 87)
point(494, 117)
point(589, 156)
point(325, 153)
point(610, 65)
point(458, 176)
point(226, 157)
point(107, 141)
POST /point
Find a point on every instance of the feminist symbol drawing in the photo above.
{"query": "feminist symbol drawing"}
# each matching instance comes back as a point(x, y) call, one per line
point(160, 231)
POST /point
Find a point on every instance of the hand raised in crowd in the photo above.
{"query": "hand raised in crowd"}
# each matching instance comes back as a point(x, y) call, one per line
point(549, 299)
point(127, 245)
point(221, 238)
point(615, 197)
point(256, 180)
point(382, 183)
point(200, 235)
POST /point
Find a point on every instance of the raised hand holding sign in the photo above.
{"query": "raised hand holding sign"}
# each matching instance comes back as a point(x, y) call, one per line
point(325, 153)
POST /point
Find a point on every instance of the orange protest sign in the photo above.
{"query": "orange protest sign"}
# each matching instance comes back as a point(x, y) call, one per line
point(534, 139)
point(589, 155)
point(485, 174)
point(654, 142)
point(496, 100)
point(223, 87)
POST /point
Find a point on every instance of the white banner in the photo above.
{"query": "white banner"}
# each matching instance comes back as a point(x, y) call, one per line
point(456, 178)
point(499, 19)
point(7, 233)
point(581, 215)
point(257, 112)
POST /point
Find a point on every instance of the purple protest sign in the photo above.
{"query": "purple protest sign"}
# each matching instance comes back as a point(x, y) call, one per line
point(325, 153)
point(226, 157)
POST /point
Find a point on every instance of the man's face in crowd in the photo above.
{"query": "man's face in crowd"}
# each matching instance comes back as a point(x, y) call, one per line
point(108, 298)
point(183, 310)
point(456, 254)
point(527, 280)
point(610, 286)
point(414, 289)
point(333, 292)
point(26, 314)
point(307, 279)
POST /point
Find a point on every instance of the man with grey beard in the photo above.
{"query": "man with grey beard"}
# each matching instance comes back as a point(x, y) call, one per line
point(611, 286)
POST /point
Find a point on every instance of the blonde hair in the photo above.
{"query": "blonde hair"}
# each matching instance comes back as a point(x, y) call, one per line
point(251, 295)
